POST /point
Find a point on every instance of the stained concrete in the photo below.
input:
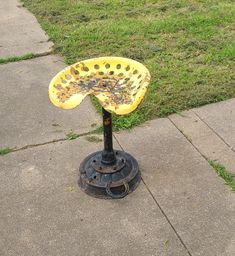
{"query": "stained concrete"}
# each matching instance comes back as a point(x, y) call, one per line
point(42, 211)
point(20, 31)
point(27, 115)
point(221, 118)
point(196, 201)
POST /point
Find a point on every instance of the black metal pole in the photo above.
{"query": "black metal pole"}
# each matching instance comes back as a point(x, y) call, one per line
point(108, 155)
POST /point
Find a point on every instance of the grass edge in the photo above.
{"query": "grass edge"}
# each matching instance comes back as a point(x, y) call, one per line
point(223, 173)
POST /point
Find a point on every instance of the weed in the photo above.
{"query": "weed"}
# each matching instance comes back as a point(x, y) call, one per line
point(222, 172)
point(71, 136)
point(99, 129)
point(4, 151)
point(17, 58)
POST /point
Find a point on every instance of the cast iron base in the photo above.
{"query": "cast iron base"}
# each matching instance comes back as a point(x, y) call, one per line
point(109, 181)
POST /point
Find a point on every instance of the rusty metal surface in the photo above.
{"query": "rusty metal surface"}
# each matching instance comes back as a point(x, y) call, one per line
point(108, 156)
point(112, 181)
point(119, 163)
point(119, 84)
point(109, 173)
point(116, 86)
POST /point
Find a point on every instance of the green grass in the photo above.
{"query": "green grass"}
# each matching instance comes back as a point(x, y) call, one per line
point(222, 172)
point(71, 136)
point(4, 151)
point(17, 58)
point(188, 46)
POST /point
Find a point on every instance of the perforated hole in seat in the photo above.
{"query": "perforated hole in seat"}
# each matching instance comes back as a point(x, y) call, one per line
point(119, 84)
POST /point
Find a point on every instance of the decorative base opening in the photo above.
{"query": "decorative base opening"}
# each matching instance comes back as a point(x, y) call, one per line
point(109, 181)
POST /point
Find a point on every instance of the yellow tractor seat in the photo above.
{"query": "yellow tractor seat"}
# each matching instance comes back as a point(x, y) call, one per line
point(119, 84)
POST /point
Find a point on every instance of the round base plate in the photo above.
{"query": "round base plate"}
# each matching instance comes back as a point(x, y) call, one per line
point(109, 181)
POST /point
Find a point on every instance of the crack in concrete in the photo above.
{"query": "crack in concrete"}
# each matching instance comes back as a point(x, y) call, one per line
point(37, 55)
point(162, 211)
point(118, 142)
point(49, 142)
point(188, 139)
point(19, 58)
point(225, 142)
point(164, 214)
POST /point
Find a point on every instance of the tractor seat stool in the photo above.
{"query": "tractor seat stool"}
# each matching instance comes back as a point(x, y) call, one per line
point(119, 84)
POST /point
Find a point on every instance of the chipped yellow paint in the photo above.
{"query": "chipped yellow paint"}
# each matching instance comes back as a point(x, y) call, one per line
point(119, 84)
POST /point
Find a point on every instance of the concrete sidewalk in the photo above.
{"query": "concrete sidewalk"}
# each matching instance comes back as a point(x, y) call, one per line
point(20, 32)
point(180, 208)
